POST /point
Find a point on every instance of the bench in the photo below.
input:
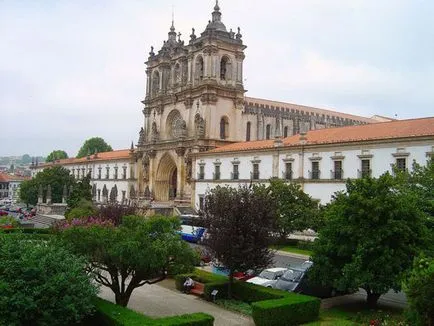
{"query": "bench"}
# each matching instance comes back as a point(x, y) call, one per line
point(198, 288)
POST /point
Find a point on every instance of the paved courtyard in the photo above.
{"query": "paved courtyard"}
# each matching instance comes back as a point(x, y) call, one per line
point(164, 300)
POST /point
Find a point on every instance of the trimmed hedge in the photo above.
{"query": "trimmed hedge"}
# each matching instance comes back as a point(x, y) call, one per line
point(293, 309)
point(270, 307)
point(27, 231)
point(111, 314)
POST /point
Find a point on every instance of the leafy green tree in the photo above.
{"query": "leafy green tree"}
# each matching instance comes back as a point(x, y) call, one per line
point(81, 190)
point(371, 235)
point(295, 210)
point(57, 177)
point(56, 155)
point(93, 144)
point(419, 288)
point(238, 222)
point(42, 283)
point(26, 159)
point(139, 251)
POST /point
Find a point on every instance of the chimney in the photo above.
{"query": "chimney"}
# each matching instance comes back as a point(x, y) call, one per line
point(303, 138)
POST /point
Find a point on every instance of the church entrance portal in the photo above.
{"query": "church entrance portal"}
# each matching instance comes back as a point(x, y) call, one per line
point(166, 179)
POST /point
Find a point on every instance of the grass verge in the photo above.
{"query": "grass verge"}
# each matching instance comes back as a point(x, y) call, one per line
point(292, 249)
point(235, 305)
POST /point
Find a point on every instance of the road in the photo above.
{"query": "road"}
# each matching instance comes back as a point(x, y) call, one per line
point(391, 298)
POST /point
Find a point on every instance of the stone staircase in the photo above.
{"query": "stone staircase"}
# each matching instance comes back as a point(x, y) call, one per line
point(45, 221)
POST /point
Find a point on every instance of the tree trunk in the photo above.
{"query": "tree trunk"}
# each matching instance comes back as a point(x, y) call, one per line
point(231, 281)
point(122, 299)
point(372, 299)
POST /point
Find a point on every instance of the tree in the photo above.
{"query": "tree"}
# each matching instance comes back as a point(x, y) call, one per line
point(295, 210)
point(57, 177)
point(238, 222)
point(42, 283)
point(372, 231)
point(26, 159)
point(56, 155)
point(81, 190)
point(139, 251)
point(419, 288)
point(92, 145)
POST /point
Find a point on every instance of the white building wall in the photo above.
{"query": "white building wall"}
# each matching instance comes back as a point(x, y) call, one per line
point(382, 157)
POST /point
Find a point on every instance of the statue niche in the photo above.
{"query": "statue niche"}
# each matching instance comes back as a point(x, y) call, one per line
point(199, 124)
point(154, 132)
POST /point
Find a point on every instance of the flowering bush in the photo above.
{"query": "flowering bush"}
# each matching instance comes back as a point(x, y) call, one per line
point(83, 222)
point(8, 222)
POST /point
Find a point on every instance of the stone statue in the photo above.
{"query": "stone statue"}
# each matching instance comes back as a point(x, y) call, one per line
point(154, 132)
point(65, 194)
point(40, 194)
point(199, 124)
point(141, 136)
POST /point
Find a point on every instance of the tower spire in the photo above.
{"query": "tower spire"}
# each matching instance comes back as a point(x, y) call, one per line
point(216, 15)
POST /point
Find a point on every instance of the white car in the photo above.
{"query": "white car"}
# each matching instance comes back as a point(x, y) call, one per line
point(268, 276)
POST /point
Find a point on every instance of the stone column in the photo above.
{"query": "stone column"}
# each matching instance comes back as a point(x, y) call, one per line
point(40, 195)
point(49, 201)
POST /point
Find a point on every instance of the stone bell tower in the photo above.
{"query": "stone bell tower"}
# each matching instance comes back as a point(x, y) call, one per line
point(193, 102)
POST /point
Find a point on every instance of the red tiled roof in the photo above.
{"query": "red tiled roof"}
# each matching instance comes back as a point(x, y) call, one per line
point(103, 156)
point(5, 177)
point(378, 131)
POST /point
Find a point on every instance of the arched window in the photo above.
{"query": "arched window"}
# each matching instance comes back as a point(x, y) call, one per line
point(268, 132)
point(177, 75)
point(155, 83)
point(224, 128)
point(248, 131)
point(285, 132)
point(223, 68)
point(199, 68)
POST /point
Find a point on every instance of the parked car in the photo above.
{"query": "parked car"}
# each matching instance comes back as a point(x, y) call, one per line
point(192, 233)
point(3, 213)
point(290, 280)
point(296, 279)
point(268, 276)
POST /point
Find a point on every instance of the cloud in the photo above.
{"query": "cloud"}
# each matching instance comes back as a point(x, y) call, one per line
point(75, 69)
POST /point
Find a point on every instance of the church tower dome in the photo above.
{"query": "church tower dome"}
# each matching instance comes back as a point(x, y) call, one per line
point(216, 22)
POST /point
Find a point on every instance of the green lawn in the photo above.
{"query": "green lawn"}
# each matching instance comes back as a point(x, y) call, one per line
point(293, 249)
point(236, 305)
point(358, 314)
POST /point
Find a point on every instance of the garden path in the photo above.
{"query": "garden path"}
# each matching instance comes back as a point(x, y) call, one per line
point(164, 300)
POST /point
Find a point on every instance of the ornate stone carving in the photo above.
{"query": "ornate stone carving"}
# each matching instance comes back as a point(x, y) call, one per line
point(180, 150)
point(142, 136)
point(147, 111)
point(151, 153)
point(188, 102)
point(159, 109)
point(208, 98)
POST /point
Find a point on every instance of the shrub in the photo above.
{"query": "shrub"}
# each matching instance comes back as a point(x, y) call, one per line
point(252, 293)
point(293, 309)
point(419, 288)
point(111, 314)
point(41, 283)
point(85, 208)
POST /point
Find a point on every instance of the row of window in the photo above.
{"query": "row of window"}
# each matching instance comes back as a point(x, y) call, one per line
point(83, 172)
point(224, 128)
point(315, 173)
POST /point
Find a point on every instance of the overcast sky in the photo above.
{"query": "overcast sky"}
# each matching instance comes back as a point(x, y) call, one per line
point(70, 70)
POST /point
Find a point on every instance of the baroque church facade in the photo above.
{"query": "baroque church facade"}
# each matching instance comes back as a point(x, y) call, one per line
point(195, 101)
